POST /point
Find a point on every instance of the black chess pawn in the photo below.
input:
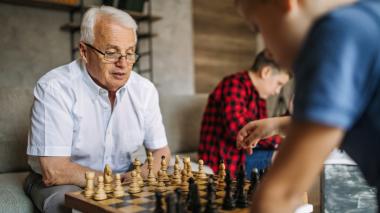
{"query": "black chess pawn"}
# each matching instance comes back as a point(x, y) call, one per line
point(228, 201)
point(255, 180)
point(191, 188)
point(240, 195)
point(159, 208)
point(170, 203)
point(210, 207)
point(179, 205)
point(194, 202)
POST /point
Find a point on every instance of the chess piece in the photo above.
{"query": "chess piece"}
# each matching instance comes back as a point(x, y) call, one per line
point(137, 166)
point(201, 172)
point(134, 187)
point(89, 189)
point(240, 196)
point(177, 160)
point(179, 206)
point(151, 177)
point(255, 180)
point(118, 191)
point(210, 207)
point(164, 168)
point(107, 179)
point(161, 187)
point(221, 175)
point(189, 172)
point(170, 203)
point(184, 184)
point(228, 201)
point(194, 202)
point(100, 193)
point(176, 177)
point(159, 208)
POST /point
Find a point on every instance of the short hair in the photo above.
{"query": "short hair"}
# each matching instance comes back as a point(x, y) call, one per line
point(90, 17)
point(264, 58)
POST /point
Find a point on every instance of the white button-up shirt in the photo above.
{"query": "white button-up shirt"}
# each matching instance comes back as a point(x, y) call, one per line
point(72, 116)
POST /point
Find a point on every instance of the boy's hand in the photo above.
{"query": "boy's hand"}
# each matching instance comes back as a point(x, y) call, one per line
point(254, 131)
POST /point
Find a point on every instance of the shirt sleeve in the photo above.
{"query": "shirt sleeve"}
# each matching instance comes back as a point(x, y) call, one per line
point(155, 136)
point(51, 128)
point(332, 73)
point(234, 108)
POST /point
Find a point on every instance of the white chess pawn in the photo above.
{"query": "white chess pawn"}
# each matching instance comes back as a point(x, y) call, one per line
point(137, 165)
point(100, 194)
point(201, 172)
point(161, 187)
point(134, 187)
point(176, 178)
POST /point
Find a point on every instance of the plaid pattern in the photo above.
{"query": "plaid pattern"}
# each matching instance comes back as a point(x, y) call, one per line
point(230, 106)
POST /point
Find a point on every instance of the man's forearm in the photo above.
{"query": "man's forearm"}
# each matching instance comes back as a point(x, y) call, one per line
point(61, 171)
point(298, 162)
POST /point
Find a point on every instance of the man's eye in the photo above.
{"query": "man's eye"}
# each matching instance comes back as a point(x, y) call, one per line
point(111, 53)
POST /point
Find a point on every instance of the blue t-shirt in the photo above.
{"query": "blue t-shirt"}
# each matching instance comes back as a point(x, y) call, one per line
point(337, 76)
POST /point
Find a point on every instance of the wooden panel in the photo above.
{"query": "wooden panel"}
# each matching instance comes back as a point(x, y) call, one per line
point(223, 43)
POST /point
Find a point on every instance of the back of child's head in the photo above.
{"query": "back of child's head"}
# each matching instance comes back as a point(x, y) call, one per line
point(264, 59)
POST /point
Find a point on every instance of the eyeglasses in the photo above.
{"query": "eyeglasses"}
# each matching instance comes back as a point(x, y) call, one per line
point(112, 56)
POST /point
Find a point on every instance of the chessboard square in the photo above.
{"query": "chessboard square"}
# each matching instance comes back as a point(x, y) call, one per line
point(143, 194)
point(219, 201)
point(139, 201)
point(220, 193)
point(202, 187)
point(203, 201)
point(133, 209)
point(110, 201)
point(171, 188)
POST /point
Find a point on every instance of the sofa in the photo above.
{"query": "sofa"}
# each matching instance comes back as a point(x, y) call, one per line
point(181, 116)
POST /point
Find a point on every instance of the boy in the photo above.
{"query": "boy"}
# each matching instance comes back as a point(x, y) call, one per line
point(334, 50)
point(238, 99)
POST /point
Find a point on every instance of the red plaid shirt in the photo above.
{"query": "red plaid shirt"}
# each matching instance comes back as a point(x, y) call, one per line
point(233, 103)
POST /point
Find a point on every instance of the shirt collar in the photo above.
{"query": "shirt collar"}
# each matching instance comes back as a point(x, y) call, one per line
point(96, 90)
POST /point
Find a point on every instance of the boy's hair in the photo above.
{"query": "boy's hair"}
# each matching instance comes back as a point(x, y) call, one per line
point(265, 59)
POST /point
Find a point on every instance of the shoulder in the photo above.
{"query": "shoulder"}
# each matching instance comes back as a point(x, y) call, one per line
point(359, 20)
point(61, 79)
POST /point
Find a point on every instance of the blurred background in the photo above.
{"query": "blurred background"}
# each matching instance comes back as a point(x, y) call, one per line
point(187, 46)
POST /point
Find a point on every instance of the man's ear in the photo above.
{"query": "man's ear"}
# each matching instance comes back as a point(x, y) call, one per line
point(265, 72)
point(83, 51)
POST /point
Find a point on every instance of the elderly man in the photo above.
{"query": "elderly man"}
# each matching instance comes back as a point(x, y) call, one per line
point(333, 47)
point(92, 112)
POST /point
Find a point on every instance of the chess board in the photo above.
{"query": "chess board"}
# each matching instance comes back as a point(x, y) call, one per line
point(142, 202)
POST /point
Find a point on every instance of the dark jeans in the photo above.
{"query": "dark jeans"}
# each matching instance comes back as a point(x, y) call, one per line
point(260, 159)
point(47, 199)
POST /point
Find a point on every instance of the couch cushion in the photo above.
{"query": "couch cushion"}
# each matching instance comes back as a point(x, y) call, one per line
point(182, 116)
point(12, 196)
point(15, 106)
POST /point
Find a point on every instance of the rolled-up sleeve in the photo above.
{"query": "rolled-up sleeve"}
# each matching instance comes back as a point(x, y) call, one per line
point(155, 136)
point(51, 128)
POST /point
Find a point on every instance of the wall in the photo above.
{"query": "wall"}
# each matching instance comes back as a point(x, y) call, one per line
point(32, 44)
point(223, 43)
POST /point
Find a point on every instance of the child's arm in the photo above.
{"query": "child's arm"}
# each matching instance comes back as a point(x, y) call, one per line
point(249, 136)
point(298, 163)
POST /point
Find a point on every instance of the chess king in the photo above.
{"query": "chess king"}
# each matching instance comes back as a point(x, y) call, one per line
point(92, 112)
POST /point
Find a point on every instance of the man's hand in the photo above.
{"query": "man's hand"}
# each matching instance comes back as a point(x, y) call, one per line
point(254, 131)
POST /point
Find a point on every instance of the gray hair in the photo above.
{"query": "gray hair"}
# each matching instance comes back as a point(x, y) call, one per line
point(89, 20)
